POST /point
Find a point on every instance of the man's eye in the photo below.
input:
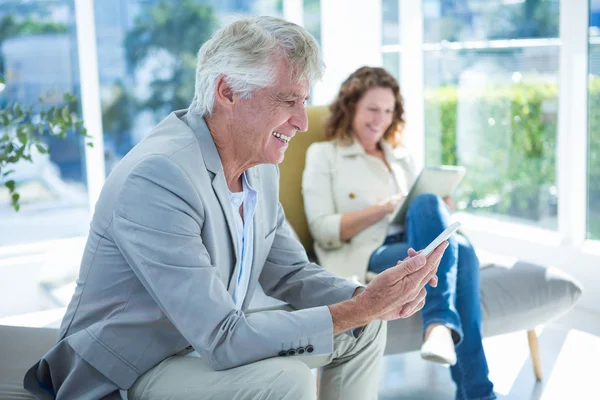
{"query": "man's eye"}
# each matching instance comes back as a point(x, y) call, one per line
point(291, 103)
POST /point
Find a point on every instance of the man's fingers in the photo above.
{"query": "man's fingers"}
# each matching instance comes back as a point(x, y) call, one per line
point(423, 275)
point(411, 307)
point(419, 306)
point(412, 252)
point(413, 264)
point(433, 281)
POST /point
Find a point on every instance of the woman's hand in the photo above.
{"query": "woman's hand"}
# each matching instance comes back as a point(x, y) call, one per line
point(450, 203)
point(357, 221)
point(389, 205)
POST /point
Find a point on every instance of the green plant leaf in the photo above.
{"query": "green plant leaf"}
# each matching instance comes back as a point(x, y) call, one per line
point(90, 144)
point(18, 111)
point(10, 185)
point(7, 173)
point(15, 197)
point(69, 98)
point(22, 134)
point(66, 115)
point(41, 148)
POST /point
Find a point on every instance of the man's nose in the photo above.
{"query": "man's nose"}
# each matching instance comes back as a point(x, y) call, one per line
point(300, 119)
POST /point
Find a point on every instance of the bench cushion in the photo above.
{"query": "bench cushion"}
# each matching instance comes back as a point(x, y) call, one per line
point(514, 297)
point(20, 348)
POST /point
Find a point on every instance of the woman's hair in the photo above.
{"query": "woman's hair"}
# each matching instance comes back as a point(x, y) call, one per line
point(338, 125)
point(247, 52)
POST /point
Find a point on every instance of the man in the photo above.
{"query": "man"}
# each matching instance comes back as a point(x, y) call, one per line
point(186, 227)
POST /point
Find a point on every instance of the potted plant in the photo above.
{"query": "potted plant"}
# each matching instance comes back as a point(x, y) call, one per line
point(23, 129)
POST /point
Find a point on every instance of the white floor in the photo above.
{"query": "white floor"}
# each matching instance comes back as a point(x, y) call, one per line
point(570, 349)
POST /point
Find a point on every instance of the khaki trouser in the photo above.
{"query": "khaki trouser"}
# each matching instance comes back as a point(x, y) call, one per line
point(351, 372)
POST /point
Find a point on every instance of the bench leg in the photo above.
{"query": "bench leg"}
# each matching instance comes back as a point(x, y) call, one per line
point(318, 380)
point(534, 348)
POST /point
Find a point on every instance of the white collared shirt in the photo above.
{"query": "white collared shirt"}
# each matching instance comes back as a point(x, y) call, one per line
point(245, 234)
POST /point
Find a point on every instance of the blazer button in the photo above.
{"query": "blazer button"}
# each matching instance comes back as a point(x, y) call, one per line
point(291, 352)
point(352, 195)
point(310, 348)
point(282, 353)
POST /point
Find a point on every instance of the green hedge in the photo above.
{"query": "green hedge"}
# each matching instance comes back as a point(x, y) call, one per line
point(507, 140)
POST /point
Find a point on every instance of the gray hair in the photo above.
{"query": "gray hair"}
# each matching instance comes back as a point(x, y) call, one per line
point(247, 51)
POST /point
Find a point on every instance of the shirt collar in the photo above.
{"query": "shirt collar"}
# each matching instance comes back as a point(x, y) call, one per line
point(389, 152)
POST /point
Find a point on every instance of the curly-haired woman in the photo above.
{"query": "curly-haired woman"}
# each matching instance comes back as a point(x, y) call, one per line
point(351, 185)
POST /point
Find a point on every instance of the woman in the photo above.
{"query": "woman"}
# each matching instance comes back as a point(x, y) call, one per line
point(351, 185)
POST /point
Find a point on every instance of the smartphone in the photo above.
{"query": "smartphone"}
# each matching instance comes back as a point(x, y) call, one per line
point(441, 237)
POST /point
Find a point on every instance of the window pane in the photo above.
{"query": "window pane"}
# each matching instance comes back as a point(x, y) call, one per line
point(494, 111)
point(391, 62)
point(39, 59)
point(593, 200)
point(147, 59)
point(462, 20)
point(390, 25)
point(312, 18)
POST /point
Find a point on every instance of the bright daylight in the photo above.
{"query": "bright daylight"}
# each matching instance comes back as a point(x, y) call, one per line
point(299, 199)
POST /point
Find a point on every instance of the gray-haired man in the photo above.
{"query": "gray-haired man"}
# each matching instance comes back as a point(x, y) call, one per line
point(186, 227)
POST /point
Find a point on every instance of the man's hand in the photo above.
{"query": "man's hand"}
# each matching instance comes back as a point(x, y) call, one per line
point(398, 292)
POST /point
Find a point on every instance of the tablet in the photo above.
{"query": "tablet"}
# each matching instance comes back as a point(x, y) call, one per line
point(440, 181)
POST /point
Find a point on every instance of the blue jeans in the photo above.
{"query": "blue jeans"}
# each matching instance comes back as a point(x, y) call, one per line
point(455, 302)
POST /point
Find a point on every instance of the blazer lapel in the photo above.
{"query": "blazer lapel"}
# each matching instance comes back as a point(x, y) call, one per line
point(212, 161)
point(257, 231)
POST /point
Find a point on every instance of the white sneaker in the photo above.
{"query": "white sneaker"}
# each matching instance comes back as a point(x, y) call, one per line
point(439, 346)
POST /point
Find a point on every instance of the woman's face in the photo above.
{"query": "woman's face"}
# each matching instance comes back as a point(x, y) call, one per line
point(373, 116)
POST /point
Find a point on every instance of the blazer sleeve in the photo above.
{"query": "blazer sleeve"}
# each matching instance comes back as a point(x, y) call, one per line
point(324, 221)
point(289, 276)
point(157, 223)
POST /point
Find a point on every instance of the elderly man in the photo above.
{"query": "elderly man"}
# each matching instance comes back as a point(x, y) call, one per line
point(186, 227)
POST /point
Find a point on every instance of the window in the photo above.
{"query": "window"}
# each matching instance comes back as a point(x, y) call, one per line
point(39, 59)
point(147, 60)
point(593, 200)
point(390, 37)
point(312, 18)
point(468, 20)
point(491, 104)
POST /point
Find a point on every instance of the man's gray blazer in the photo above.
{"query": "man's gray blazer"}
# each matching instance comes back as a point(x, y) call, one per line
point(158, 269)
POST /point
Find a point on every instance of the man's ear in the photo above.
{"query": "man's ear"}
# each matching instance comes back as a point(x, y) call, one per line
point(224, 94)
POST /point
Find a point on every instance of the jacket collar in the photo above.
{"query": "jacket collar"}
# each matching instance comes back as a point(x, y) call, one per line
point(390, 153)
point(211, 157)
